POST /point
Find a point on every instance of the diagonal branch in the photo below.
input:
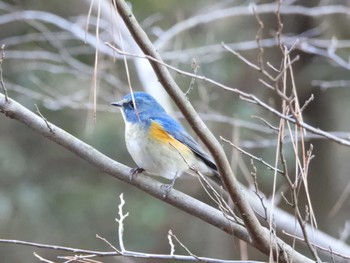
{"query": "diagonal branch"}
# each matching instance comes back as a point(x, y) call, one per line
point(259, 235)
point(194, 120)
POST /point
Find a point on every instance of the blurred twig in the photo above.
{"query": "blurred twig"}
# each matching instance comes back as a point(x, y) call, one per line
point(2, 57)
point(234, 11)
point(259, 159)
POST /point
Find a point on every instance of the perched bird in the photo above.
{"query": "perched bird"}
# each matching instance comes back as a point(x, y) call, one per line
point(158, 143)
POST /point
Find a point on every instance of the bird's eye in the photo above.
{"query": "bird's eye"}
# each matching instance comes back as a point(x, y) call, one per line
point(131, 104)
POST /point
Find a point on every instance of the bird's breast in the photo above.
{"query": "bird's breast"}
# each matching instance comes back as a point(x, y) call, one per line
point(153, 149)
point(135, 138)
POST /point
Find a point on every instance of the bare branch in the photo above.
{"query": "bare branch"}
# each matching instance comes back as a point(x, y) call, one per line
point(45, 120)
point(57, 21)
point(329, 249)
point(15, 111)
point(184, 202)
point(120, 221)
point(92, 254)
point(42, 259)
point(259, 159)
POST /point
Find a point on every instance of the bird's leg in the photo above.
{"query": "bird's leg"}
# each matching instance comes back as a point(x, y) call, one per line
point(170, 186)
point(135, 171)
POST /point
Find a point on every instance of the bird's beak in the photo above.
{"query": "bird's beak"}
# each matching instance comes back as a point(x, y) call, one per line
point(118, 103)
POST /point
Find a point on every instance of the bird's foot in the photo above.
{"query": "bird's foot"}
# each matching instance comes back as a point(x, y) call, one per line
point(167, 188)
point(135, 171)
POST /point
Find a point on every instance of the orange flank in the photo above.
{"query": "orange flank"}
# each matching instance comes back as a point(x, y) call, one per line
point(157, 133)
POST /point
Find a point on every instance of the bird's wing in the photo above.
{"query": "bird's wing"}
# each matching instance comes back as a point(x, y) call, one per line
point(175, 129)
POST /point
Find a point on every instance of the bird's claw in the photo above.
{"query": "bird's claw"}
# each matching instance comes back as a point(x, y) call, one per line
point(167, 188)
point(135, 171)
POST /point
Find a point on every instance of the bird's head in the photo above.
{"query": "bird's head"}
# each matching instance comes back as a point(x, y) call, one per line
point(138, 106)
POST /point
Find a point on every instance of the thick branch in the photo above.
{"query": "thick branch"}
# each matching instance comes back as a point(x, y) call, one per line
point(184, 202)
point(14, 110)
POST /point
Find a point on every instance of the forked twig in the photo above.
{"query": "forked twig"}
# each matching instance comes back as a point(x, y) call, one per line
point(45, 120)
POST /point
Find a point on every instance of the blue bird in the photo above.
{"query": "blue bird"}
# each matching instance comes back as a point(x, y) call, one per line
point(158, 143)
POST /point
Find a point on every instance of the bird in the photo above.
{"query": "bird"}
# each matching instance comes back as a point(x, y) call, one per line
point(158, 143)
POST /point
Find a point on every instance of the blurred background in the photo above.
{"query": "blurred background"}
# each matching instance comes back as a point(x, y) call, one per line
point(48, 195)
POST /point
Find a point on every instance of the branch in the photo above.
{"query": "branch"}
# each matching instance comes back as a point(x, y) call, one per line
point(58, 21)
point(259, 159)
point(84, 254)
point(14, 110)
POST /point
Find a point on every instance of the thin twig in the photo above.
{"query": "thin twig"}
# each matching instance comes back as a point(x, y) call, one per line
point(120, 221)
point(212, 193)
point(60, 248)
point(45, 120)
point(258, 38)
point(307, 102)
point(256, 190)
point(79, 258)
point(266, 123)
point(330, 250)
point(94, 79)
point(344, 196)
point(149, 256)
point(195, 68)
point(279, 23)
point(182, 245)
point(171, 243)
point(42, 259)
point(109, 244)
point(259, 159)
point(2, 57)
point(217, 198)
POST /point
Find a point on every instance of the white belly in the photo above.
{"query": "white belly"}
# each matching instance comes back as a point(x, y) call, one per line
point(156, 158)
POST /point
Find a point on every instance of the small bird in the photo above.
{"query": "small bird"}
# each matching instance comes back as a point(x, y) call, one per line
point(158, 143)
